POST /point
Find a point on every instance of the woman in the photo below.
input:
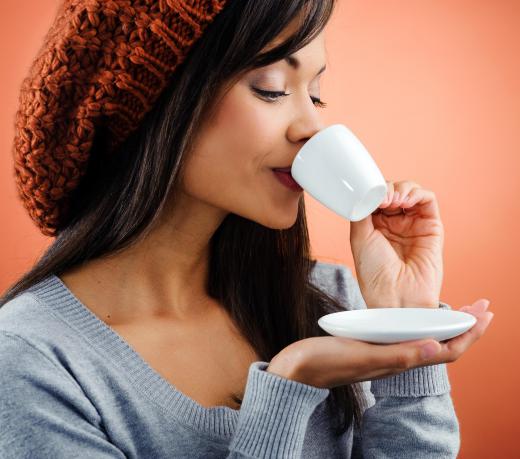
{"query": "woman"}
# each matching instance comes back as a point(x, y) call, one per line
point(175, 314)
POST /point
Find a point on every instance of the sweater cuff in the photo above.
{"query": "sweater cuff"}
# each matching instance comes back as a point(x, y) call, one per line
point(416, 382)
point(274, 414)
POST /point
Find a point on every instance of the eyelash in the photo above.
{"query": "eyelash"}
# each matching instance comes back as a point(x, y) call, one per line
point(319, 103)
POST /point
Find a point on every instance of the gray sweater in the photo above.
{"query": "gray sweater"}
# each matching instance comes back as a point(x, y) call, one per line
point(71, 387)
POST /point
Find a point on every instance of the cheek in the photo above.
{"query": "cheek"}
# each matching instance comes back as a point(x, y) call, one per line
point(245, 126)
point(229, 167)
point(231, 149)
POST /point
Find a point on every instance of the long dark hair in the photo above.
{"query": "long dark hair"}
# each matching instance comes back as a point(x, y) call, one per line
point(260, 275)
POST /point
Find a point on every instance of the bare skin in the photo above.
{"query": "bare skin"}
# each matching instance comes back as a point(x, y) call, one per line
point(153, 294)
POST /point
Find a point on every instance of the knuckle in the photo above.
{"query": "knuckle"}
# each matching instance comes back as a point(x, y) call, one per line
point(452, 357)
point(455, 353)
point(402, 361)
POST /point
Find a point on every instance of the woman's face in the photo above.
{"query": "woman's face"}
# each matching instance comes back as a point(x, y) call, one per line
point(250, 133)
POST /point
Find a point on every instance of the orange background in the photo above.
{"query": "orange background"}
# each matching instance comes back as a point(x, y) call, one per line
point(432, 89)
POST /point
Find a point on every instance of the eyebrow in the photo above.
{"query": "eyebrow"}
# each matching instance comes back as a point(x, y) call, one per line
point(295, 63)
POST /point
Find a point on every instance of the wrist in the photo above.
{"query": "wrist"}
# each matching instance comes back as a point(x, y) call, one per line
point(382, 302)
point(283, 366)
point(401, 303)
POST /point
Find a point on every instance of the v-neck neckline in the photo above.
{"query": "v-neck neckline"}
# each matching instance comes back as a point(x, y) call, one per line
point(216, 420)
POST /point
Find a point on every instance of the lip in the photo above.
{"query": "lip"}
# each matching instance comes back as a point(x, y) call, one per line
point(283, 169)
point(286, 179)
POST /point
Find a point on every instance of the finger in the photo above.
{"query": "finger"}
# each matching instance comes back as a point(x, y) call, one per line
point(389, 194)
point(481, 305)
point(453, 348)
point(395, 358)
point(400, 356)
point(378, 374)
point(402, 191)
point(477, 307)
point(425, 202)
point(382, 360)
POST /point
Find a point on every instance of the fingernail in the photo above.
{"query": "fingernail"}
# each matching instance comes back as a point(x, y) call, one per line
point(429, 350)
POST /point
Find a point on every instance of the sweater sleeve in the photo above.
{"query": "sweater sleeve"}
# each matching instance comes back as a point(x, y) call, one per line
point(408, 426)
point(274, 415)
point(412, 415)
point(43, 412)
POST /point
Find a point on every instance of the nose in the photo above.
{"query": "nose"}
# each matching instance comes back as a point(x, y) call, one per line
point(305, 124)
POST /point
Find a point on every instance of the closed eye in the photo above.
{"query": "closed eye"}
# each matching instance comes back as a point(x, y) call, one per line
point(277, 94)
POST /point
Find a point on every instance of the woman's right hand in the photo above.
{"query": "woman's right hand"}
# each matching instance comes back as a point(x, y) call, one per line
point(330, 361)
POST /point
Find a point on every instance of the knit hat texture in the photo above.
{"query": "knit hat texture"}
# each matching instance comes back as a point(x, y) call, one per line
point(102, 63)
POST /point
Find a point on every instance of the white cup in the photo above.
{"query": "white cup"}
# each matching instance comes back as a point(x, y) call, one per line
point(335, 168)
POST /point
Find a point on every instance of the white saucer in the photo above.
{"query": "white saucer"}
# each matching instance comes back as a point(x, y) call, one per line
point(394, 325)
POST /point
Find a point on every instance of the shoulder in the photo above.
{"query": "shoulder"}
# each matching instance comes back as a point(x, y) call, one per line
point(31, 336)
point(338, 280)
point(37, 352)
point(326, 274)
point(45, 412)
point(23, 314)
point(31, 377)
point(29, 317)
point(37, 342)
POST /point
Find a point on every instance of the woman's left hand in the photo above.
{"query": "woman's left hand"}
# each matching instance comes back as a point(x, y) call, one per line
point(398, 256)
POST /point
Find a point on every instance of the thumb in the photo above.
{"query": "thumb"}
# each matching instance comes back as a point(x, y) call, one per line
point(361, 230)
point(408, 354)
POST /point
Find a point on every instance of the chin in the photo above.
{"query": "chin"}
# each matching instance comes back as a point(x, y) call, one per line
point(274, 215)
point(281, 223)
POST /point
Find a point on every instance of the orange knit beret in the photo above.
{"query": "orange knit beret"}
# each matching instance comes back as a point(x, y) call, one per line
point(102, 62)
